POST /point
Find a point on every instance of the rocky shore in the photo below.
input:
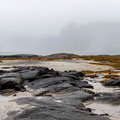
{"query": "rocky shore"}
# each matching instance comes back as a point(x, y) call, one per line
point(58, 88)
point(55, 95)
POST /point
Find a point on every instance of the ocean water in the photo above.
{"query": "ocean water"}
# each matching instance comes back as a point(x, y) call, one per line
point(74, 52)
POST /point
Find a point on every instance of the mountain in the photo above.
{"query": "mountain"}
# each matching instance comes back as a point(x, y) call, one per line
point(98, 36)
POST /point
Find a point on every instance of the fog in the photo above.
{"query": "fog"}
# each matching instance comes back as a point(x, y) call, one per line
point(47, 26)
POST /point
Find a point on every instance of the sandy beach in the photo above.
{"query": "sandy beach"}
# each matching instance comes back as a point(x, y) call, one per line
point(60, 65)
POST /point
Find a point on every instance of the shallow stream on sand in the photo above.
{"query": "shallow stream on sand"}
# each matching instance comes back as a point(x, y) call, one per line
point(113, 111)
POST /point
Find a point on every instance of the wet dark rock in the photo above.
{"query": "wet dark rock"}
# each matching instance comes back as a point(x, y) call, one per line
point(73, 77)
point(14, 95)
point(10, 80)
point(3, 72)
point(89, 91)
point(47, 82)
point(42, 70)
point(113, 98)
point(74, 97)
point(106, 114)
point(84, 109)
point(57, 85)
point(22, 68)
point(47, 109)
point(30, 74)
point(50, 73)
point(37, 73)
point(57, 95)
point(81, 84)
point(57, 89)
point(47, 76)
point(72, 73)
point(112, 82)
point(53, 82)
point(20, 88)
point(57, 112)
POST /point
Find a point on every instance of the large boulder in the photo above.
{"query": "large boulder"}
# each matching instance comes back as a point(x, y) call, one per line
point(38, 72)
point(30, 74)
point(47, 82)
point(10, 80)
point(53, 81)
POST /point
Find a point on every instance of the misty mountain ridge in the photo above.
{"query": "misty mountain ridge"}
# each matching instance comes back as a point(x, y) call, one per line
point(91, 38)
point(98, 36)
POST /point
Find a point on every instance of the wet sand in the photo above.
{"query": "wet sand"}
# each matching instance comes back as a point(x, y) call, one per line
point(100, 108)
point(7, 104)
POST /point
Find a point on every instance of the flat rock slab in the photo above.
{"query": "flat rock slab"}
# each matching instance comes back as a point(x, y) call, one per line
point(77, 96)
point(49, 110)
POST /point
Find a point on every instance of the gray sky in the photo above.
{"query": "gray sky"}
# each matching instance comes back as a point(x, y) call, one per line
point(24, 24)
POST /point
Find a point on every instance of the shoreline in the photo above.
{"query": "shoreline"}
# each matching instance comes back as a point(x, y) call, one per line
point(60, 65)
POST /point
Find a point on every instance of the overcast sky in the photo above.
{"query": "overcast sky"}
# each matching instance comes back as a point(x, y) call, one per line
point(24, 23)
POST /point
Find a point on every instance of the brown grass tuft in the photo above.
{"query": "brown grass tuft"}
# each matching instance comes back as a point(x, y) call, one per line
point(100, 72)
point(111, 60)
point(104, 81)
point(92, 76)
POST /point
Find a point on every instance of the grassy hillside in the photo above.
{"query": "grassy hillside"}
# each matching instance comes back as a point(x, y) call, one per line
point(111, 60)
